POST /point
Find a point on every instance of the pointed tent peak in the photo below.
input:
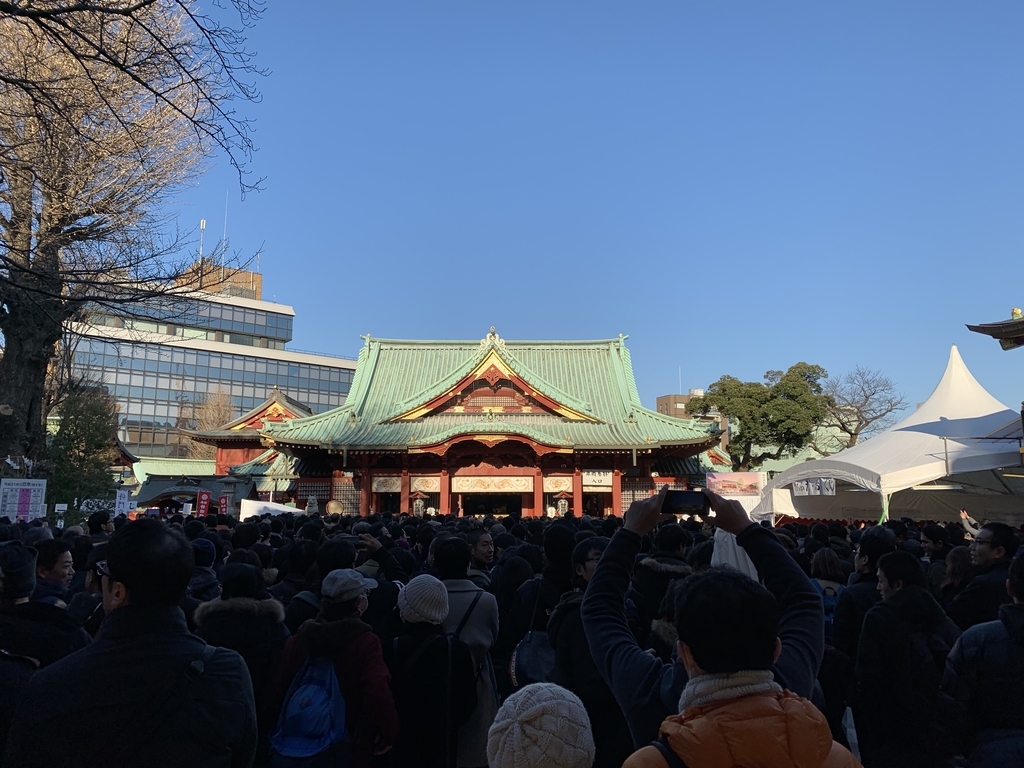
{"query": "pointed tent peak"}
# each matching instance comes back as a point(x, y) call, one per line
point(958, 395)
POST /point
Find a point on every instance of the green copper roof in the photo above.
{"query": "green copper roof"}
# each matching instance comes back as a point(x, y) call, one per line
point(392, 378)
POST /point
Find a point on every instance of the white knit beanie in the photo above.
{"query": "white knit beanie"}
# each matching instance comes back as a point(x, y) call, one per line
point(541, 726)
point(424, 600)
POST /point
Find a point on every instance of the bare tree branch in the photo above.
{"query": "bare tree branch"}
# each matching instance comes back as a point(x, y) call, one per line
point(864, 403)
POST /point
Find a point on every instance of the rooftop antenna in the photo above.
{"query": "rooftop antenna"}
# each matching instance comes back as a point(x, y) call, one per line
point(224, 236)
point(202, 230)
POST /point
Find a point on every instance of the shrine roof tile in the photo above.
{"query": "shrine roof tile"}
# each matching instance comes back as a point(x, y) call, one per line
point(594, 378)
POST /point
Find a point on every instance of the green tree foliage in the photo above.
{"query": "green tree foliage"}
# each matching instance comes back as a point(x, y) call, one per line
point(84, 448)
point(776, 418)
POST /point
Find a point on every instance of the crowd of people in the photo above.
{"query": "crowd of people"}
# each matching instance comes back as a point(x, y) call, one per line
point(643, 641)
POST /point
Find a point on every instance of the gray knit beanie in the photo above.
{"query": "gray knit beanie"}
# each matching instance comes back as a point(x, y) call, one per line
point(423, 600)
point(541, 726)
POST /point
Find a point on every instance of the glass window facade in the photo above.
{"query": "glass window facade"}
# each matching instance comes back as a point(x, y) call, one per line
point(158, 386)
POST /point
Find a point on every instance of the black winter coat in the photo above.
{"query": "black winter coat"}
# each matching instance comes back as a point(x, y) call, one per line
point(575, 670)
point(256, 630)
point(129, 689)
point(980, 600)
point(852, 605)
point(42, 632)
point(418, 662)
point(985, 674)
point(204, 585)
point(651, 579)
point(895, 730)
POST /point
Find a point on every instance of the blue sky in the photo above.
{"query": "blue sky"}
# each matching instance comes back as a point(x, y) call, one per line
point(737, 186)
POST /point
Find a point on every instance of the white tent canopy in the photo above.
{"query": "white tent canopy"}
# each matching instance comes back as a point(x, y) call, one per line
point(960, 428)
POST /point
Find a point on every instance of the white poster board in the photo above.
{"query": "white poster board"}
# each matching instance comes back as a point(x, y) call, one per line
point(121, 505)
point(22, 499)
point(253, 508)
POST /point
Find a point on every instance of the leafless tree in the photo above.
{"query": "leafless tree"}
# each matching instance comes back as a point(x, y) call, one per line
point(215, 410)
point(208, 57)
point(84, 170)
point(864, 402)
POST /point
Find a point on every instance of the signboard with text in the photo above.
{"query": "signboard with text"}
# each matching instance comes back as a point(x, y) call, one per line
point(203, 503)
point(121, 503)
point(22, 500)
point(223, 503)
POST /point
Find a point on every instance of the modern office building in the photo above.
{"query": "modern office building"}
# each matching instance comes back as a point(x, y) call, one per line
point(161, 363)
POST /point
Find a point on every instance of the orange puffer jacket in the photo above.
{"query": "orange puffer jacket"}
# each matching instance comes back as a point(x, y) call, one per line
point(768, 731)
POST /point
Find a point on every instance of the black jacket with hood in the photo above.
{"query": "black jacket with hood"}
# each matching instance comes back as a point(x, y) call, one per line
point(985, 674)
point(575, 671)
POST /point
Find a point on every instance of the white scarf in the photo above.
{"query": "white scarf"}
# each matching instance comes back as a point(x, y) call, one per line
point(717, 687)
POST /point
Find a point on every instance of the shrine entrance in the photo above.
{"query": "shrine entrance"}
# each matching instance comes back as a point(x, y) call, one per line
point(496, 504)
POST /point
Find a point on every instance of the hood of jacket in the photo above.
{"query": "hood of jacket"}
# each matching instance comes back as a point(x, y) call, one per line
point(666, 563)
point(570, 602)
point(202, 576)
point(917, 607)
point(270, 609)
point(776, 730)
point(1012, 616)
point(329, 638)
point(840, 546)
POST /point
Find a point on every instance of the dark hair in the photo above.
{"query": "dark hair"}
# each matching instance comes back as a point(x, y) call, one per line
point(825, 565)
point(1002, 536)
point(583, 549)
point(819, 532)
point(956, 534)
point(152, 560)
point(559, 541)
point(264, 552)
point(512, 574)
point(334, 610)
point(245, 557)
point(451, 558)
point(505, 540)
point(902, 566)
point(335, 555)
point(425, 535)
point(874, 543)
point(838, 530)
point(474, 536)
point(519, 531)
point(223, 519)
point(242, 580)
point(671, 537)
point(301, 557)
point(936, 533)
point(309, 531)
point(194, 528)
point(50, 551)
point(244, 535)
point(728, 621)
point(97, 520)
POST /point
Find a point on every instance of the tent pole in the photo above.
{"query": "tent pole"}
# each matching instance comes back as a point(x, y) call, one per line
point(885, 509)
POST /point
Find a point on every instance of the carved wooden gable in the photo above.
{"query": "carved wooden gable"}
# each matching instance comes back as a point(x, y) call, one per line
point(493, 387)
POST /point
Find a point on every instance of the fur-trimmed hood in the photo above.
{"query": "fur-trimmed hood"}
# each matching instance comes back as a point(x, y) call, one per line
point(270, 608)
point(671, 566)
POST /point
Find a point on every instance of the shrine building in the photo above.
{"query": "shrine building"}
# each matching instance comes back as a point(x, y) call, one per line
point(491, 426)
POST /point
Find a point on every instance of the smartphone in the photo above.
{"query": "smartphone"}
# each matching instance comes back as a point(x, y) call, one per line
point(686, 503)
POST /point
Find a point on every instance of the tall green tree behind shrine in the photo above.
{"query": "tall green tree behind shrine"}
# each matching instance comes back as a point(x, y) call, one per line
point(777, 417)
point(84, 448)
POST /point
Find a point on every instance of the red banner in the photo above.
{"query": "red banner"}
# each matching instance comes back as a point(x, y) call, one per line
point(222, 504)
point(203, 503)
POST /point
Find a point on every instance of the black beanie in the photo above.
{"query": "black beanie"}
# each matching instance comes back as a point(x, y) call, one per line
point(17, 571)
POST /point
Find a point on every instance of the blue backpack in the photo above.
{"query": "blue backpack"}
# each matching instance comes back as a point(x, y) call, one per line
point(311, 727)
point(829, 598)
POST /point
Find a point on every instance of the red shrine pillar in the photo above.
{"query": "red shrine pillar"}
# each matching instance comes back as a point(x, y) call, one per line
point(617, 492)
point(577, 491)
point(365, 488)
point(538, 493)
point(403, 504)
point(444, 503)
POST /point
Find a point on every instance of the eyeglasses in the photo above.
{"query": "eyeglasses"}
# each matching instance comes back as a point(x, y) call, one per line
point(102, 569)
point(980, 542)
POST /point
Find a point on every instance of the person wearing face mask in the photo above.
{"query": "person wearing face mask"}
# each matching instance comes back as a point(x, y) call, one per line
point(363, 678)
